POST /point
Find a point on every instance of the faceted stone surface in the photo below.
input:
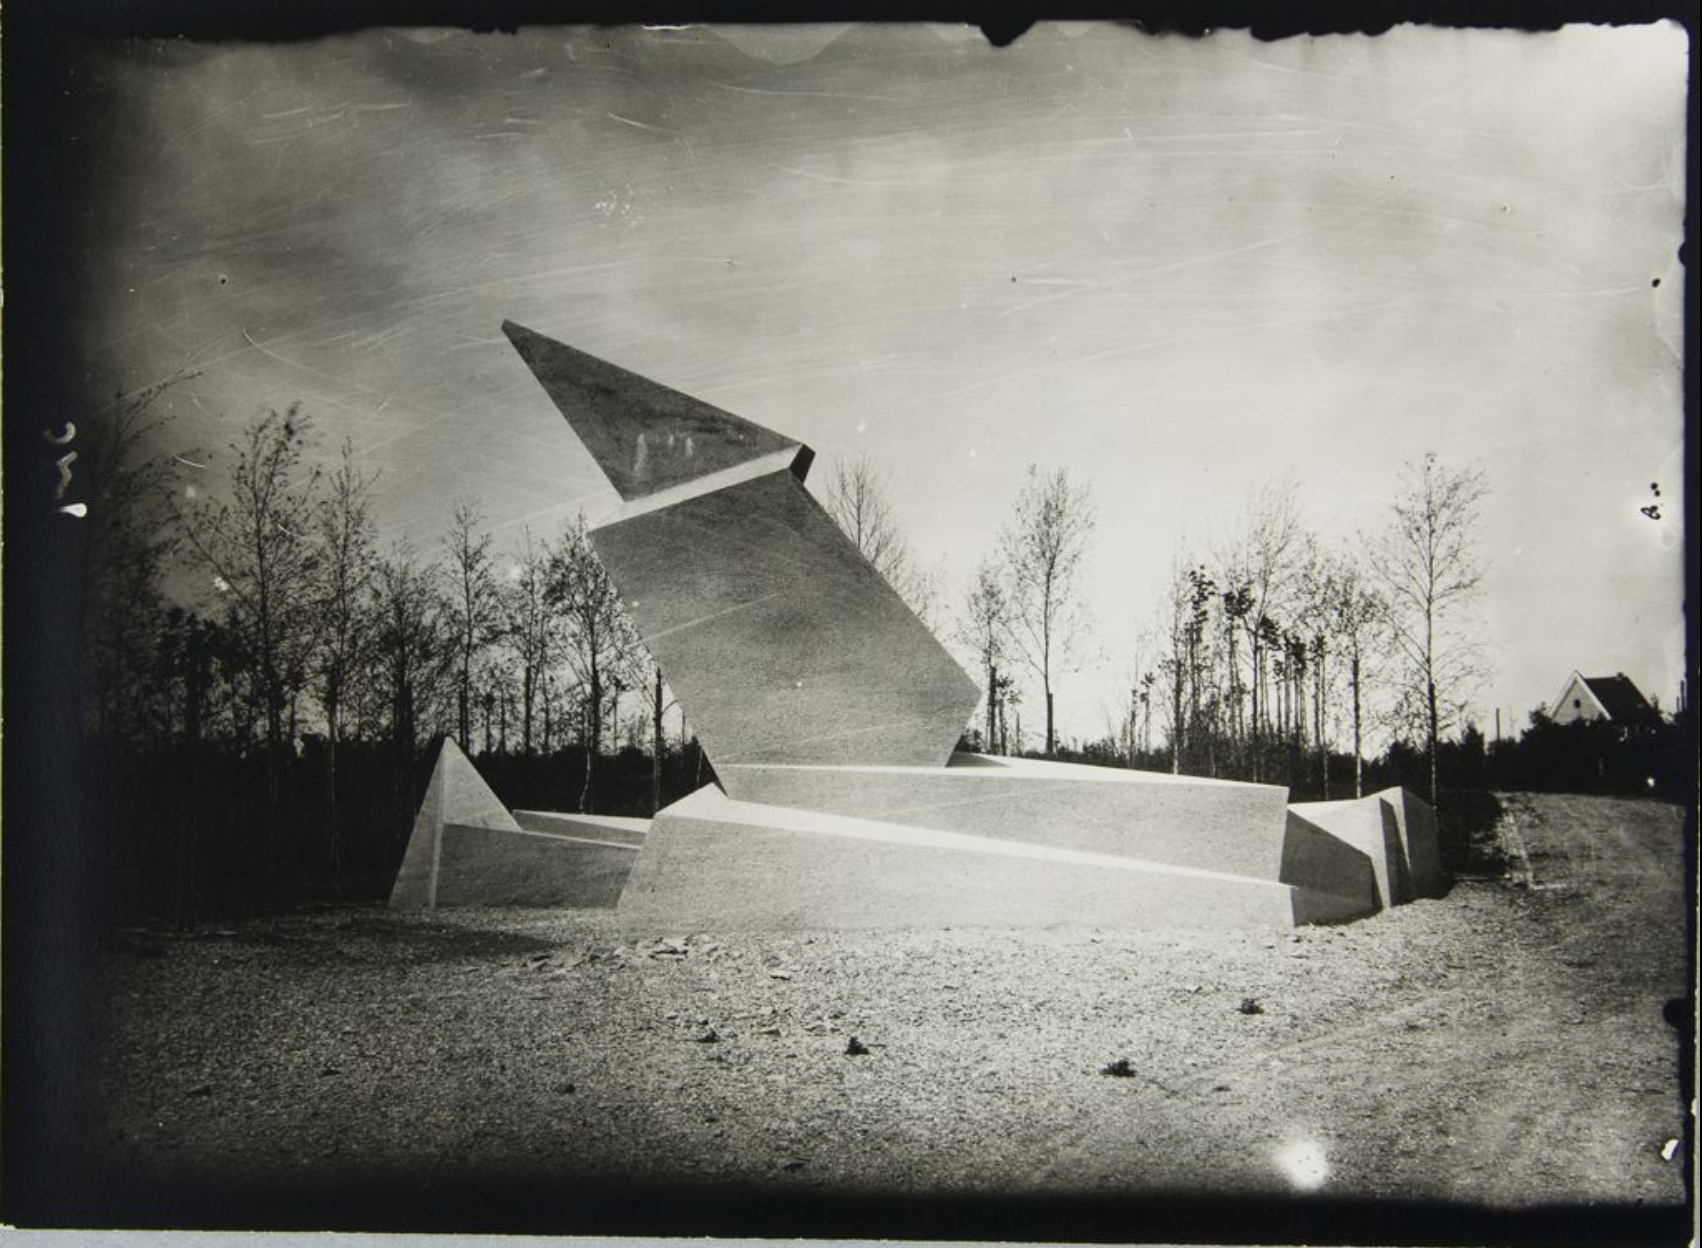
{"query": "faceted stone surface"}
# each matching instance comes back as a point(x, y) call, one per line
point(783, 643)
point(711, 863)
point(455, 794)
point(613, 829)
point(644, 436)
point(467, 849)
point(1396, 829)
point(1322, 862)
point(485, 867)
point(1416, 820)
point(1186, 821)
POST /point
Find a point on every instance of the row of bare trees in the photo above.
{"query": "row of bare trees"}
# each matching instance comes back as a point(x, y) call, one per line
point(1275, 650)
point(1267, 654)
point(1024, 611)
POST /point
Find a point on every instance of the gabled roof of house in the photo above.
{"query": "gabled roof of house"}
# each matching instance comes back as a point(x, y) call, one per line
point(1621, 699)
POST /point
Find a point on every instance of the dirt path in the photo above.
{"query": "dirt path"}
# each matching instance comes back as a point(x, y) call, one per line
point(1502, 1047)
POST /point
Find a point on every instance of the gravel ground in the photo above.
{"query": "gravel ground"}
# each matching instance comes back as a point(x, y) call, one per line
point(1502, 1048)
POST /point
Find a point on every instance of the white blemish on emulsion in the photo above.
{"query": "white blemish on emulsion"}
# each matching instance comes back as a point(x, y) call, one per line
point(1304, 1163)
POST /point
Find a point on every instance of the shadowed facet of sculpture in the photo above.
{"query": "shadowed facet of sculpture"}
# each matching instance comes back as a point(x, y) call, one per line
point(781, 641)
point(644, 436)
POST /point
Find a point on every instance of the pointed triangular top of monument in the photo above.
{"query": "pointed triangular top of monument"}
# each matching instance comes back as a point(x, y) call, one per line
point(644, 436)
point(463, 795)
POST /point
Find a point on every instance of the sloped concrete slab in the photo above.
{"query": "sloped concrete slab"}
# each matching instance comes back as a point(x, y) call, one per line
point(712, 863)
point(615, 829)
point(485, 867)
point(783, 643)
point(1182, 821)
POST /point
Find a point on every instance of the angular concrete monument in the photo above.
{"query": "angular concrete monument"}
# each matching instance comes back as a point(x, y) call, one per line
point(831, 714)
point(467, 849)
point(712, 863)
point(781, 641)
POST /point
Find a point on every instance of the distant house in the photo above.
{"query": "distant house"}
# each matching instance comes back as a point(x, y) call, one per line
point(1614, 699)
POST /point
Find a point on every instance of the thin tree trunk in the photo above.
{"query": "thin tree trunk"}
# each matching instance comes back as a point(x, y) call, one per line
point(464, 702)
point(1358, 748)
point(593, 738)
point(333, 731)
point(657, 744)
point(1430, 703)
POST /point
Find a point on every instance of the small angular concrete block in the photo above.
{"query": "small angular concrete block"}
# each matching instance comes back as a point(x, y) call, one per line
point(1321, 862)
point(1416, 820)
point(455, 794)
point(1368, 826)
point(1395, 829)
point(783, 643)
point(711, 863)
point(467, 849)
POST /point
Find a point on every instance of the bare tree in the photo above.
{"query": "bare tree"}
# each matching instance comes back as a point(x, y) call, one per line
point(528, 627)
point(1174, 626)
point(1258, 572)
point(1355, 622)
point(411, 649)
point(984, 627)
point(660, 704)
point(603, 648)
point(341, 607)
point(127, 486)
point(855, 494)
point(258, 549)
point(1429, 569)
point(474, 609)
point(1042, 547)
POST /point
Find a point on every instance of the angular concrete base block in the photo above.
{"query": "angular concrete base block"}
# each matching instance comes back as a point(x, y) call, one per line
point(711, 863)
point(1184, 821)
point(1394, 828)
point(1416, 820)
point(481, 867)
point(467, 849)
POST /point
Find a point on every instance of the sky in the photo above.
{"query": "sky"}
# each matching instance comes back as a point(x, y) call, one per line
point(1179, 269)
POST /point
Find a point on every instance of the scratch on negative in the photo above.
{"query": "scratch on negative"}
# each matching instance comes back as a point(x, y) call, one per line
point(814, 95)
point(713, 615)
point(627, 121)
